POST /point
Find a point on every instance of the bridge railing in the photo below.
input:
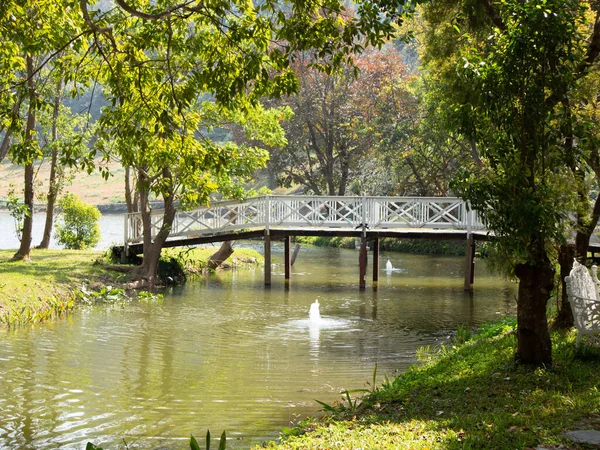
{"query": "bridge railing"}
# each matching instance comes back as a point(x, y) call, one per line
point(313, 212)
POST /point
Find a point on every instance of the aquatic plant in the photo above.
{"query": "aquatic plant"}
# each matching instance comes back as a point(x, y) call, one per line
point(193, 443)
point(107, 294)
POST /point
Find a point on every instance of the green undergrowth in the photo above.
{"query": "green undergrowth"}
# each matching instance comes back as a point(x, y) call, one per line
point(193, 260)
point(415, 246)
point(46, 286)
point(453, 247)
point(468, 396)
point(322, 241)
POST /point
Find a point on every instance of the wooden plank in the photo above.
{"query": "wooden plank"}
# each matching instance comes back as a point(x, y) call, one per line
point(375, 262)
point(362, 261)
point(267, 257)
point(287, 259)
point(469, 263)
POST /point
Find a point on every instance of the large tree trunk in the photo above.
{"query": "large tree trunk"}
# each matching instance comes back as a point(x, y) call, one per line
point(147, 273)
point(564, 317)
point(219, 257)
point(53, 189)
point(536, 280)
point(25, 247)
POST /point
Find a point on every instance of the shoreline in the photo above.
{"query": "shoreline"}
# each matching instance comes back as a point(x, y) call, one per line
point(470, 394)
point(50, 284)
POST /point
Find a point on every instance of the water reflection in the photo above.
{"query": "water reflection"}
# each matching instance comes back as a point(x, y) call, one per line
point(226, 353)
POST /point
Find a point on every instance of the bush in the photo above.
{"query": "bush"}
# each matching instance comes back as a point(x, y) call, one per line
point(78, 228)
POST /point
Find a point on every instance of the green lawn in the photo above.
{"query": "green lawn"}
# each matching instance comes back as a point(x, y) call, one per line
point(33, 291)
point(471, 396)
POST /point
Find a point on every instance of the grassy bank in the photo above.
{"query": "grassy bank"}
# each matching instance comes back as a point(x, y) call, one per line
point(471, 396)
point(35, 291)
point(193, 260)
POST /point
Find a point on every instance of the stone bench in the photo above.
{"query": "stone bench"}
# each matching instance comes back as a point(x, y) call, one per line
point(582, 290)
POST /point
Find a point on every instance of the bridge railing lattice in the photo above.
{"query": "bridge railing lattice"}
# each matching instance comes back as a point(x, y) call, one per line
point(313, 212)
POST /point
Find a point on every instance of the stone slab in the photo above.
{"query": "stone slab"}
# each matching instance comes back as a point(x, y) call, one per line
point(584, 436)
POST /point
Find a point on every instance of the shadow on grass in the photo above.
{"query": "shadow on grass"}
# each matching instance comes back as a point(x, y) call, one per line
point(51, 265)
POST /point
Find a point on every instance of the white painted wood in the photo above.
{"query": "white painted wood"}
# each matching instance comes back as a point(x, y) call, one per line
point(582, 290)
point(330, 212)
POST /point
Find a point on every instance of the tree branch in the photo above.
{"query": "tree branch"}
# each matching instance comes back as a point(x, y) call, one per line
point(157, 16)
point(593, 48)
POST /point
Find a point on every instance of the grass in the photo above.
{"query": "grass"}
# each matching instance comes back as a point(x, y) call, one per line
point(471, 396)
point(34, 291)
point(193, 260)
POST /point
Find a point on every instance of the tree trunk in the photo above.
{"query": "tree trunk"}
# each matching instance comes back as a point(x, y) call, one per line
point(147, 272)
point(564, 318)
point(132, 201)
point(9, 131)
point(25, 247)
point(218, 258)
point(536, 280)
point(53, 189)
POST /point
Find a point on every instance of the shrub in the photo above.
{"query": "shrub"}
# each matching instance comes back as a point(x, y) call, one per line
point(78, 228)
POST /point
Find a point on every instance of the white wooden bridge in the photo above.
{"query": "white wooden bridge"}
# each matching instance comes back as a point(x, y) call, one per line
point(280, 217)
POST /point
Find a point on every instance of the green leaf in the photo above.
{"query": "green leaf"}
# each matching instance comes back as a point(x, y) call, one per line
point(193, 443)
point(223, 441)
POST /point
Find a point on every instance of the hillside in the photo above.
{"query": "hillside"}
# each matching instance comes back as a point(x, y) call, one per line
point(92, 189)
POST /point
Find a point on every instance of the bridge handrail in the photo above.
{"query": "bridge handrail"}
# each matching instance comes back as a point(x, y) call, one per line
point(378, 212)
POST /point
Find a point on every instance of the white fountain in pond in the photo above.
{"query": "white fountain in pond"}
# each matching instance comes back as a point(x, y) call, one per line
point(389, 267)
point(314, 315)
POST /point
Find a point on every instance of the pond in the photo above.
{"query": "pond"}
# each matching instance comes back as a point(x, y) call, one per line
point(111, 231)
point(226, 353)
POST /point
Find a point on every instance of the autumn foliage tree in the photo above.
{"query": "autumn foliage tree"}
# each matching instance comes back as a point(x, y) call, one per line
point(336, 126)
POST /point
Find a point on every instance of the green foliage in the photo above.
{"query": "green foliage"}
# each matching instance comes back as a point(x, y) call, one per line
point(150, 297)
point(415, 246)
point(463, 334)
point(17, 210)
point(424, 246)
point(107, 295)
point(222, 442)
point(171, 270)
point(322, 241)
point(78, 228)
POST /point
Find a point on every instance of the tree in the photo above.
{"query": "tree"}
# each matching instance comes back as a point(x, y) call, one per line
point(160, 61)
point(63, 137)
point(507, 71)
point(33, 34)
point(415, 154)
point(79, 227)
point(336, 127)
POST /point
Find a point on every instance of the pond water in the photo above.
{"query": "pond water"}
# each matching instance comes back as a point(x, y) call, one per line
point(111, 231)
point(225, 353)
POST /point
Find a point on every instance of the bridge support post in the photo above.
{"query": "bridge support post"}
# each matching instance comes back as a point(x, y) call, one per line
point(267, 259)
point(375, 262)
point(362, 261)
point(470, 263)
point(287, 260)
